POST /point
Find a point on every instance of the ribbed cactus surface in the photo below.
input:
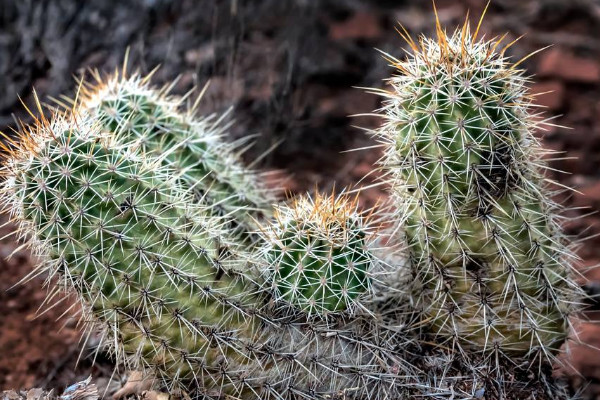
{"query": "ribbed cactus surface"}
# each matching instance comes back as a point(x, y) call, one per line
point(317, 256)
point(491, 264)
point(156, 123)
point(158, 273)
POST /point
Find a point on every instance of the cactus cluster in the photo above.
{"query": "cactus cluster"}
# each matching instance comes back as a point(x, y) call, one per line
point(168, 284)
point(144, 211)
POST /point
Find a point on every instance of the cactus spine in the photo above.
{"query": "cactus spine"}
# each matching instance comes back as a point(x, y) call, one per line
point(167, 285)
point(492, 266)
point(153, 121)
point(317, 254)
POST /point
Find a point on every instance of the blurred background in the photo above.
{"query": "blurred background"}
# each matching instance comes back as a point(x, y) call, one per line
point(291, 69)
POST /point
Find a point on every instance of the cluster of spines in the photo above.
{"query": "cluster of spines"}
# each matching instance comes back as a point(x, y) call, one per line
point(163, 279)
point(155, 123)
point(317, 256)
point(486, 247)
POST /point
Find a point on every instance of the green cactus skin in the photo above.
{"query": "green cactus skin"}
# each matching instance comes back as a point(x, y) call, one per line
point(157, 273)
point(153, 121)
point(493, 270)
point(317, 254)
point(130, 244)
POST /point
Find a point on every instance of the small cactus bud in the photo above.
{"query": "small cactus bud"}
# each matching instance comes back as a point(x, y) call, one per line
point(317, 256)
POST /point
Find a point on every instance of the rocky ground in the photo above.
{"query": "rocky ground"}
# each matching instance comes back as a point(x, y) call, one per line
point(290, 70)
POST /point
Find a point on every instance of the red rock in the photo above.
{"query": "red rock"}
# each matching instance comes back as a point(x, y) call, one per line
point(549, 94)
point(261, 90)
point(560, 63)
point(545, 131)
point(361, 25)
point(581, 105)
point(185, 82)
point(554, 148)
point(581, 227)
point(570, 162)
point(221, 91)
point(327, 105)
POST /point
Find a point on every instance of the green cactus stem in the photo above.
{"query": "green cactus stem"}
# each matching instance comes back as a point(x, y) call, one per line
point(155, 122)
point(171, 292)
point(492, 267)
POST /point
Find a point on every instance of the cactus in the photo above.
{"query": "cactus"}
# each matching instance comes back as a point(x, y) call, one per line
point(317, 254)
point(160, 275)
point(147, 239)
point(117, 232)
point(493, 269)
point(154, 122)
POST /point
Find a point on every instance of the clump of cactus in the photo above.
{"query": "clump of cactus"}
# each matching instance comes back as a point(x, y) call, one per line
point(166, 282)
point(123, 199)
point(317, 256)
point(155, 122)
